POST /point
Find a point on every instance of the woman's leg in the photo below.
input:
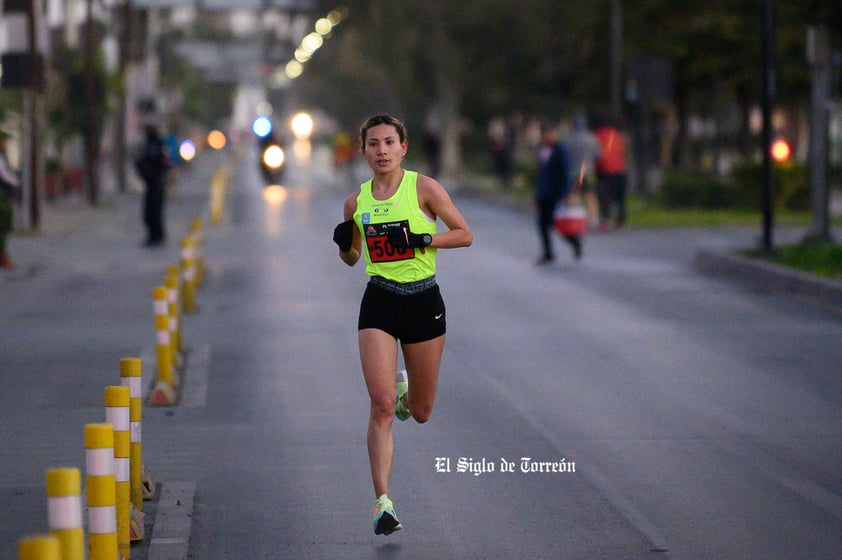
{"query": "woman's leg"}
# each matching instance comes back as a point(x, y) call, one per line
point(422, 361)
point(379, 357)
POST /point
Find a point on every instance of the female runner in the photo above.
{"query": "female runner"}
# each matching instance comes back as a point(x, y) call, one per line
point(391, 221)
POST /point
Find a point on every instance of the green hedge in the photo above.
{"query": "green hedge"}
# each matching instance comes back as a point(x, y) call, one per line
point(740, 190)
point(695, 189)
point(790, 185)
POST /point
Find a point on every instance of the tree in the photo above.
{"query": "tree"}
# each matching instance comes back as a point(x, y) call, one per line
point(473, 60)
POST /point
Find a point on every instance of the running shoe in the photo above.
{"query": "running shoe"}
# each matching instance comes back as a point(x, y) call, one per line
point(385, 521)
point(401, 410)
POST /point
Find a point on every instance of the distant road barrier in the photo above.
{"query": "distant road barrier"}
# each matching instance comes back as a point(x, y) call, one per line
point(173, 285)
point(197, 232)
point(163, 394)
point(218, 185)
point(188, 274)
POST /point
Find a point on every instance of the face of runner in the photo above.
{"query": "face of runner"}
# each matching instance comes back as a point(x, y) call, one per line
point(383, 148)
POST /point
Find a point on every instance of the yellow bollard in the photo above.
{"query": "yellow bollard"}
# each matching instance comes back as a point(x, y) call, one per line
point(163, 393)
point(171, 283)
point(131, 372)
point(188, 270)
point(39, 547)
point(218, 186)
point(174, 272)
point(117, 404)
point(64, 511)
point(198, 233)
point(163, 308)
point(101, 492)
point(217, 197)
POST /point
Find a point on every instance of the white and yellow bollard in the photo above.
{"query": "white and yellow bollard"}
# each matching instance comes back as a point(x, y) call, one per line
point(39, 547)
point(188, 271)
point(197, 231)
point(101, 492)
point(163, 394)
point(164, 306)
point(175, 299)
point(218, 186)
point(131, 373)
point(64, 511)
point(117, 413)
point(171, 283)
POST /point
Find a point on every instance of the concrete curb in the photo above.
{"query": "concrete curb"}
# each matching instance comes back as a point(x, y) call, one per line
point(770, 276)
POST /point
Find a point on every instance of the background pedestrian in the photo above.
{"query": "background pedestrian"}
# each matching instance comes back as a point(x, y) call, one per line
point(611, 175)
point(552, 184)
point(584, 149)
point(152, 164)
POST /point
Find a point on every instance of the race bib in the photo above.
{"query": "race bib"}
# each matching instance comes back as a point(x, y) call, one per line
point(380, 249)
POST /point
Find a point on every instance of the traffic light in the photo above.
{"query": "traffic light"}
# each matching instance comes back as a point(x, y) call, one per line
point(780, 150)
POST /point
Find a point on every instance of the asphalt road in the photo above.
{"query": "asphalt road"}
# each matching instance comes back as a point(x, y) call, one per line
point(692, 417)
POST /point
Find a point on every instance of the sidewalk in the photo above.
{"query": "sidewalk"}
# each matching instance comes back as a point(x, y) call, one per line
point(78, 301)
point(76, 235)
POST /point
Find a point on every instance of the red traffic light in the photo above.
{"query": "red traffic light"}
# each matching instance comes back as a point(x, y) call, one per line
point(781, 151)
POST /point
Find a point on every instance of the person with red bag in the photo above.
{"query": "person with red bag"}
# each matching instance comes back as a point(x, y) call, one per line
point(553, 184)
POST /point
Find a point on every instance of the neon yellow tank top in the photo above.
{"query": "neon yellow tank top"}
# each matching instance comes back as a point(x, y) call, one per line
point(375, 218)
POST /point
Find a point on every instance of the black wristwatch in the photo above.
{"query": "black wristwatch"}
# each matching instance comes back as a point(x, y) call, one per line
point(427, 239)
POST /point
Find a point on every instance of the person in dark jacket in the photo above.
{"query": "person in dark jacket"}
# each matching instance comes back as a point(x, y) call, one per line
point(152, 165)
point(552, 184)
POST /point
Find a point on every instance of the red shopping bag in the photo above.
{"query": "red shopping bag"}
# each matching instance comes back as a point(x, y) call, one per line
point(571, 219)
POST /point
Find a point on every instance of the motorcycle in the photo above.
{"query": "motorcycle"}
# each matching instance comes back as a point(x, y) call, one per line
point(272, 161)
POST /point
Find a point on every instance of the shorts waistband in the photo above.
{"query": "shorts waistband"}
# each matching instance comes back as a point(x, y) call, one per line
point(403, 288)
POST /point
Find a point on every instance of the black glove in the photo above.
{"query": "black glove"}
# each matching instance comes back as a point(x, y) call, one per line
point(402, 238)
point(343, 235)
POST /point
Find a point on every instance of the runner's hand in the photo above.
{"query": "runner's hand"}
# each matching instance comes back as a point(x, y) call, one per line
point(402, 238)
point(343, 235)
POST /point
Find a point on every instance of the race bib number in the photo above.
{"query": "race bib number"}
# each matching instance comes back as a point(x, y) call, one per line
point(380, 249)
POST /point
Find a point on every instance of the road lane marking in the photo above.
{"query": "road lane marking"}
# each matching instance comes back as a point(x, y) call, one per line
point(173, 520)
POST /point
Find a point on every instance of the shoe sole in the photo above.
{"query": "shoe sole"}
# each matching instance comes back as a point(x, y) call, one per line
point(387, 525)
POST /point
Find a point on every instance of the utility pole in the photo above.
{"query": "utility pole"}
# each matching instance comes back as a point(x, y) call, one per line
point(818, 55)
point(34, 122)
point(91, 125)
point(768, 23)
point(616, 18)
point(124, 18)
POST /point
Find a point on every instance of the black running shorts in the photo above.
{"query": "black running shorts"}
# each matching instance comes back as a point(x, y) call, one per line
point(409, 318)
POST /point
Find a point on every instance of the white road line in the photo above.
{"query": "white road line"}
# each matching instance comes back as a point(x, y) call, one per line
point(173, 518)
